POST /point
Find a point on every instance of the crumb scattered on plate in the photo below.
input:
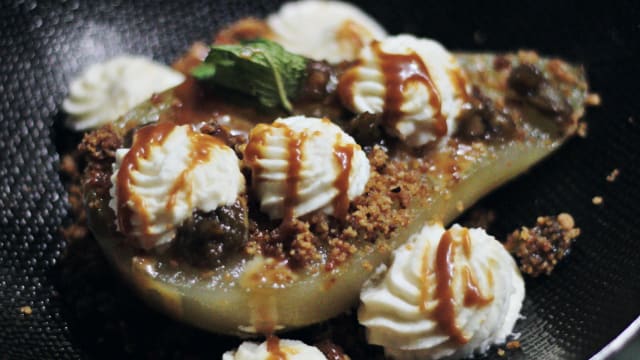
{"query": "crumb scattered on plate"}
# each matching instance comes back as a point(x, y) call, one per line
point(597, 200)
point(541, 247)
point(26, 310)
point(613, 175)
point(583, 129)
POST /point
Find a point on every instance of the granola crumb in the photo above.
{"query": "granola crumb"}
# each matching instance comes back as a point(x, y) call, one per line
point(613, 175)
point(460, 206)
point(582, 129)
point(597, 200)
point(514, 344)
point(593, 99)
point(501, 352)
point(26, 310)
point(541, 247)
point(528, 56)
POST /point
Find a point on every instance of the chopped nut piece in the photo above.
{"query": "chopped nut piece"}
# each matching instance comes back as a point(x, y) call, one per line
point(528, 57)
point(540, 248)
point(582, 129)
point(597, 200)
point(515, 344)
point(26, 310)
point(613, 175)
point(593, 99)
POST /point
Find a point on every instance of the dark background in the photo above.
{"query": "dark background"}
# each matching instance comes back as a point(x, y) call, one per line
point(81, 310)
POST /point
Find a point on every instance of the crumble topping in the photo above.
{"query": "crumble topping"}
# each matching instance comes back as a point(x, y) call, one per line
point(377, 213)
point(541, 247)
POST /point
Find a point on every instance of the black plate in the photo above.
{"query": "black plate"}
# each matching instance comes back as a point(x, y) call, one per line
point(80, 309)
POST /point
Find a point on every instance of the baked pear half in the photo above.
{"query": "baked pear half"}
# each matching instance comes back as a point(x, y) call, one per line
point(240, 267)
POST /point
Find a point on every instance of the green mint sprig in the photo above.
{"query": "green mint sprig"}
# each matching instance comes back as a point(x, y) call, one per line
point(260, 68)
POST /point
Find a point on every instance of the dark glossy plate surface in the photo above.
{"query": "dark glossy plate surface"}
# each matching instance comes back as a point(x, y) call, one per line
point(80, 309)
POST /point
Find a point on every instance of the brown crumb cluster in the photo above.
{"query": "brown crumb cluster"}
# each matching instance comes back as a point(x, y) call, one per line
point(374, 215)
point(26, 310)
point(540, 248)
point(613, 175)
point(99, 151)
point(514, 344)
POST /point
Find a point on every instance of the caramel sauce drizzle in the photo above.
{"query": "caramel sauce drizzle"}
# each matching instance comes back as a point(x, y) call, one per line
point(145, 138)
point(445, 312)
point(466, 243)
point(344, 155)
point(201, 146)
point(293, 173)
point(253, 153)
point(399, 71)
point(273, 347)
point(424, 284)
point(459, 80)
point(472, 294)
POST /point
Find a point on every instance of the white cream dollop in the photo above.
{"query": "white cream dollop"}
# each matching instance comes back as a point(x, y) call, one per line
point(323, 30)
point(106, 91)
point(291, 349)
point(406, 309)
point(169, 172)
point(416, 83)
point(305, 164)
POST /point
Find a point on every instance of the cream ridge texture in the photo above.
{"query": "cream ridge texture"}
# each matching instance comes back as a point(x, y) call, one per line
point(303, 164)
point(323, 30)
point(169, 172)
point(415, 83)
point(106, 91)
point(447, 293)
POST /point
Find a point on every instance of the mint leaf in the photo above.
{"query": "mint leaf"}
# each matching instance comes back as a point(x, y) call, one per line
point(204, 71)
point(260, 68)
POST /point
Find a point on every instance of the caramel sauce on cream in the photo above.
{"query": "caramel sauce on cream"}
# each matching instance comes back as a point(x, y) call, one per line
point(293, 172)
point(445, 313)
point(273, 347)
point(343, 155)
point(472, 294)
point(145, 138)
point(400, 71)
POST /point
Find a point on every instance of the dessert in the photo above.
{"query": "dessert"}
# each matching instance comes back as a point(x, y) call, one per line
point(340, 29)
point(106, 91)
point(301, 164)
point(169, 172)
point(420, 102)
point(313, 172)
point(446, 293)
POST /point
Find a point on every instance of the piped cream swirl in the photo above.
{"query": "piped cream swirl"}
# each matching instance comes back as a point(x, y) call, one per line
point(169, 172)
point(446, 294)
point(323, 30)
point(301, 164)
point(106, 91)
point(416, 84)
